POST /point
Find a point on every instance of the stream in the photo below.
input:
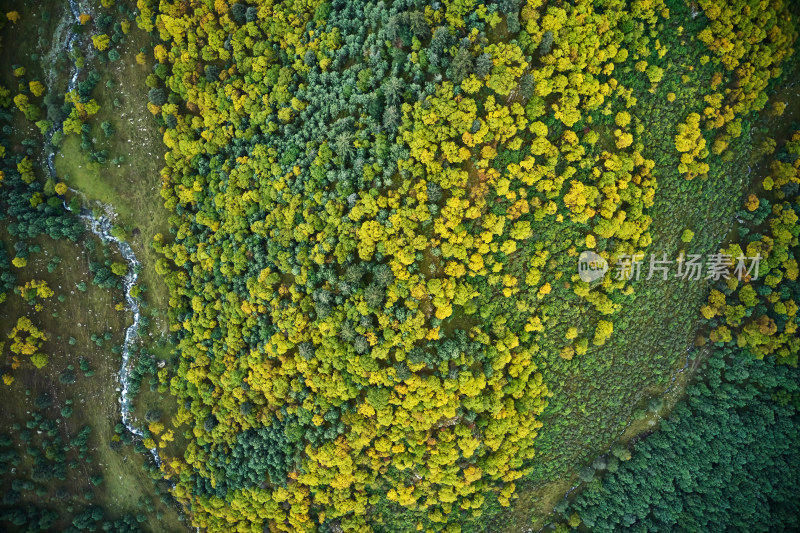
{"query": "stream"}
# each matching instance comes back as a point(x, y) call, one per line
point(101, 227)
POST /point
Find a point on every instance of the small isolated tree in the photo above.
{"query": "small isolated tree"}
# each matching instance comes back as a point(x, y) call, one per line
point(483, 65)
point(620, 452)
point(586, 474)
point(527, 85)
point(546, 45)
point(655, 405)
point(156, 96)
point(599, 463)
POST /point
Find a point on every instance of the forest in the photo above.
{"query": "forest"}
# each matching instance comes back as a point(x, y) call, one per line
point(309, 265)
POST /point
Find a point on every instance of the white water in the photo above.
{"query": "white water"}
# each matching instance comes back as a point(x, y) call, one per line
point(101, 226)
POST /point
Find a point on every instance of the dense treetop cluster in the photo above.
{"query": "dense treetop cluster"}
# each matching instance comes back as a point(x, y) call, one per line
point(725, 458)
point(760, 313)
point(378, 209)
